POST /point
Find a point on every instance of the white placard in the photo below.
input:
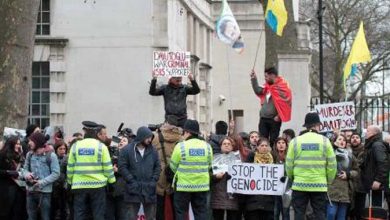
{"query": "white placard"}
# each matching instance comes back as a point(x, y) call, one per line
point(171, 63)
point(339, 116)
point(256, 179)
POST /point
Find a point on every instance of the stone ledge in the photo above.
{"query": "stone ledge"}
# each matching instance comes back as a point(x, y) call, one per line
point(48, 40)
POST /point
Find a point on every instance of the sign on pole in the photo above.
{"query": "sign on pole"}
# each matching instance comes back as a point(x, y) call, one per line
point(339, 116)
point(170, 63)
point(256, 179)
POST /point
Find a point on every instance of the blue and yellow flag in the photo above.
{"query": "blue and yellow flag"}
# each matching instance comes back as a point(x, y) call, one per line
point(228, 30)
point(276, 16)
point(359, 54)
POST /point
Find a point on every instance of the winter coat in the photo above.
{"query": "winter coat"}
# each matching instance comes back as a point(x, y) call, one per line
point(140, 172)
point(59, 184)
point(358, 155)
point(171, 135)
point(175, 102)
point(342, 190)
point(215, 142)
point(220, 199)
point(8, 188)
point(375, 166)
point(256, 202)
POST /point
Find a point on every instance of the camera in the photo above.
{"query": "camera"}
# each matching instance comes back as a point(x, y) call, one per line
point(221, 98)
point(154, 127)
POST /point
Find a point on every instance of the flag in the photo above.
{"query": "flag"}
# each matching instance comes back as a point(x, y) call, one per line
point(228, 30)
point(359, 54)
point(276, 16)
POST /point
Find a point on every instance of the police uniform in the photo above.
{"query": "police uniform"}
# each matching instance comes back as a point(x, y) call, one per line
point(311, 164)
point(89, 170)
point(191, 162)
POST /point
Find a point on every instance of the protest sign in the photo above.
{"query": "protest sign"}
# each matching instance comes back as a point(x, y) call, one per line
point(169, 63)
point(339, 116)
point(221, 162)
point(8, 132)
point(256, 179)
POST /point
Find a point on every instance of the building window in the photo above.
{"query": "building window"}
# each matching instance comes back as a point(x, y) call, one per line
point(43, 22)
point(39, 107)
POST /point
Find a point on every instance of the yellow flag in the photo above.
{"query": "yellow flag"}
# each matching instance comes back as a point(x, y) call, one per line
point(359, 54)
point(276, 16)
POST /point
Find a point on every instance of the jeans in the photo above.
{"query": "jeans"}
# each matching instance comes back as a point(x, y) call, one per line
point(318, 201)
point(269, 128)
point(181, 201)
point(38, 201)
point(133, 209)
point(337, 211)
point(278, 209)
point(96, 198)
point(115, 208)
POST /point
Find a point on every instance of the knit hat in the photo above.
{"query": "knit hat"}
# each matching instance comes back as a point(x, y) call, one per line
point(30, 129)
point(39, 139)
point(191, 126)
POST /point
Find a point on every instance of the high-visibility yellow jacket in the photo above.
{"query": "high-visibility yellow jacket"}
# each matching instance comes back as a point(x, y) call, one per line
point(191, 161)
point(311, 163)
point(89, 165)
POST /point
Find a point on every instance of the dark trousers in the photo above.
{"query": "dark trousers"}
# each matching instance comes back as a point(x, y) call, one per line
point(219, 214)
point(115, 208)
point(59, 205)
point(269, 128)
point(318, 201)
point(359, 205)
point(95, 198)
point(278, 209)
point(160, 209)
point(259, 215)
point(181, 201)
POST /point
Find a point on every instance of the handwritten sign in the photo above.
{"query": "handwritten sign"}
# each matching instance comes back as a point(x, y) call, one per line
point(336, 116)
point(169, 63)
point(256, 179)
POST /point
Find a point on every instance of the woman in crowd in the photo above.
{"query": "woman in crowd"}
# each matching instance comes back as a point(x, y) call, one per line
point(260, 207)
point(59, 208)
point(341, 190)
point(279, 154)
point(221, 201)
point(12, 195)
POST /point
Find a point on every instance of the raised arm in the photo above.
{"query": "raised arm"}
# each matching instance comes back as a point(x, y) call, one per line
point(255, 85)
point(194, 89)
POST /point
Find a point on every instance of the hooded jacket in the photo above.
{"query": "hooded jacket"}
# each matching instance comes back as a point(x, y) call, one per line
point(215, 142)
point(171, 135)
point(140, 172)
point(174, 97)
point(375, 166)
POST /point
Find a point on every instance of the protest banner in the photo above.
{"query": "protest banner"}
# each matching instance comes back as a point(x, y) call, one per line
point(221, 162)
point(256, 179)
point(169, 63)
point(340, 116)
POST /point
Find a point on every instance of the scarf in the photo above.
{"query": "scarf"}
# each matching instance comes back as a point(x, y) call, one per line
point(263, 158)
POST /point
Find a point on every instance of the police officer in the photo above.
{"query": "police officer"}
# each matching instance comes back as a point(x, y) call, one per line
point(89, 170)
point(311, 164)
point(191, 162)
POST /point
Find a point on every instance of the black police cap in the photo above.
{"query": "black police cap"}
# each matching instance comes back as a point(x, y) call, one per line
point(90, 125)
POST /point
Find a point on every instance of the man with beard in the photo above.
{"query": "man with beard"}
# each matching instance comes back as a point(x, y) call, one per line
point(175, 96)
point(375, 169)
point(139, 166)
point(276, 99)
point(360, 196)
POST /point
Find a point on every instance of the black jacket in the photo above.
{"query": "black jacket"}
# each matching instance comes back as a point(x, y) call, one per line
point(174, 97)
point(140, 172)
point(214, 141)
point(375, 165)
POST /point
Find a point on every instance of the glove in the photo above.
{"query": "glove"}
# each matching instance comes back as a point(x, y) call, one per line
point(283, 179)
point(228, 176)
point(13, 173)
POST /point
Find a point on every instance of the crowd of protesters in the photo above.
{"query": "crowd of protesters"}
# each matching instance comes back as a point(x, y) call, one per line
point(166, 168)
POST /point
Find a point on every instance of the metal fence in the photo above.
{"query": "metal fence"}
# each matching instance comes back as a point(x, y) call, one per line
point(368, 111)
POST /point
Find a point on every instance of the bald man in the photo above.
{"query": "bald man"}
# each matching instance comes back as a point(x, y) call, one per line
point(375, 166)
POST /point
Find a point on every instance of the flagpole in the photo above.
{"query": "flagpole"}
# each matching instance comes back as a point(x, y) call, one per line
point(229, 83)
point(258, 47)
